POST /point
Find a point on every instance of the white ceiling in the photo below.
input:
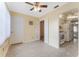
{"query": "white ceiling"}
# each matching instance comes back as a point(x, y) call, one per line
point(24, 8)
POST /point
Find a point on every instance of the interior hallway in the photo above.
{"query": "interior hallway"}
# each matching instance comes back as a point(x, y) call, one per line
point(40, 49)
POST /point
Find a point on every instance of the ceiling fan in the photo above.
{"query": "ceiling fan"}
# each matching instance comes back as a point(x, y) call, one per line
point(36, 6)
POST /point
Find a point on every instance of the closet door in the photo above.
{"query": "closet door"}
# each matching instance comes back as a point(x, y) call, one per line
point(17, 32)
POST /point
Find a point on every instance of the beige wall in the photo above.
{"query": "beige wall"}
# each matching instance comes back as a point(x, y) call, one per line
point(27, 31)
point(53, 22)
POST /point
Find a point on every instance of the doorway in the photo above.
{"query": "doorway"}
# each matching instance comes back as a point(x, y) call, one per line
point(42, 30)
point(75, 29)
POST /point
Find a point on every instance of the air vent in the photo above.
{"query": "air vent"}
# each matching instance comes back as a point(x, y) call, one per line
point(56, 6)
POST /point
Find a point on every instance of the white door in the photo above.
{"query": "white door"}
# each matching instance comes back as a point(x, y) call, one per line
point(17, 29)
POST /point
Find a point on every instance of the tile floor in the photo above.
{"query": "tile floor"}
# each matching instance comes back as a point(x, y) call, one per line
point(40, 49)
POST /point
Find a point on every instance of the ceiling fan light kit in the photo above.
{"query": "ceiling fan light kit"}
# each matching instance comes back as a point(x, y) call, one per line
point(36, 8)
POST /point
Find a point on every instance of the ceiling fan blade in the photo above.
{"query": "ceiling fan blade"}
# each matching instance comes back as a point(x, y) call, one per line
point(56, 6)
point(32, 9)
point(29, 3)
point(43, 6)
